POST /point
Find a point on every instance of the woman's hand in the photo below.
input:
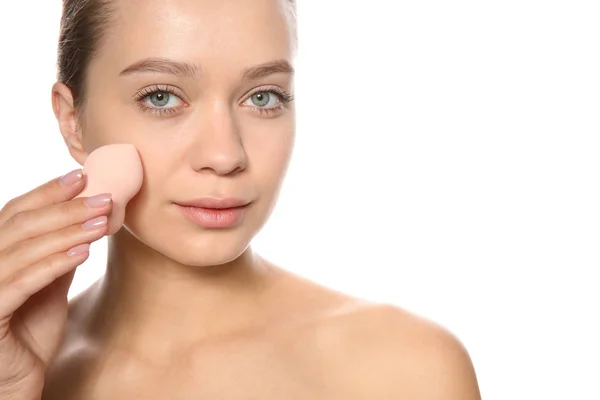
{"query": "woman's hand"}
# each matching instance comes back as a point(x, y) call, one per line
point(39, 232)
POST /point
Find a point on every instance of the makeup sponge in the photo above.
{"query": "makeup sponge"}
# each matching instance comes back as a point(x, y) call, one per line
point(115, 169)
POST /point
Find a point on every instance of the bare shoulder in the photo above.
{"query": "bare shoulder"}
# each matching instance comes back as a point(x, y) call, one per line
point(383, 351)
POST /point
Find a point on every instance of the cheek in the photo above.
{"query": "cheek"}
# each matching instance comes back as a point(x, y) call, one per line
point(270, 151)
point(270, 168)
point(156, 177)
point(106, 120)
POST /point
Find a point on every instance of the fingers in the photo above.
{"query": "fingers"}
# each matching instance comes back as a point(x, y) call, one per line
point(45, 234)
point(28, 224)
point(54, 191)
point(36, 249)
point(15, 290)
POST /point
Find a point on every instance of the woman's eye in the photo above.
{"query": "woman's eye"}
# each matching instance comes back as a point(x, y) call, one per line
point(161, 99)
point(264, 99)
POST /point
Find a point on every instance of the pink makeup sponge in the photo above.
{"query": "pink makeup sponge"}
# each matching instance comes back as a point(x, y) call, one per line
point(115, 169)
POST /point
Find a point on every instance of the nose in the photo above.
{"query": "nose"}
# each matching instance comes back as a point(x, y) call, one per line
point(218, 147)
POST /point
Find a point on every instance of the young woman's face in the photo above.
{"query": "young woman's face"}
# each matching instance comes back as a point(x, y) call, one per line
point(218, 129)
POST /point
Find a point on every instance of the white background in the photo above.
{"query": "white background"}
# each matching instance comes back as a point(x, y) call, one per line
point(447, 161)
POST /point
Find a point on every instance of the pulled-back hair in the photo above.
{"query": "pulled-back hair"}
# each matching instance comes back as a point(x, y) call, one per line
point(82, 28)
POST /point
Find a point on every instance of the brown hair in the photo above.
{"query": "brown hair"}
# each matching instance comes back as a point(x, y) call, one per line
point(82, 25)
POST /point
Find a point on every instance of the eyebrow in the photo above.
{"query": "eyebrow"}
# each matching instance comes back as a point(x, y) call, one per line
point(190, 70)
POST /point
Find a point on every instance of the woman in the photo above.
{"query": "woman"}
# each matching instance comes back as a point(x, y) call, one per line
point(204, 90)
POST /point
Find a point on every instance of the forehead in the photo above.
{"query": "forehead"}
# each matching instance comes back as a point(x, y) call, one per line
point(240, 32)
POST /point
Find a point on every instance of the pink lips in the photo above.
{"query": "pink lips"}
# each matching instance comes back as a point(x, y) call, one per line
point(214, 213)
point(211, 202)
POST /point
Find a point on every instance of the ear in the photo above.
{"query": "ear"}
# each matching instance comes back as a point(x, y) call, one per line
point(64, 111)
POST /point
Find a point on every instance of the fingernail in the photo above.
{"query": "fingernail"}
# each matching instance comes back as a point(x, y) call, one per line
point(79, 250)
point(94, 223)
point(72, 177)
point(99, 200)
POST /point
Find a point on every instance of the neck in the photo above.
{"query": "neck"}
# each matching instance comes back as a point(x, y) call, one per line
point(148, 301)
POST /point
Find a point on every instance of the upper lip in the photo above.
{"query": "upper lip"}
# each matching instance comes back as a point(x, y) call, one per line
point(213, 202)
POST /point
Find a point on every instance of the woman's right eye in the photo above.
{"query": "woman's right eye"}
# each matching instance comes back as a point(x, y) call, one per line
point(159, 101)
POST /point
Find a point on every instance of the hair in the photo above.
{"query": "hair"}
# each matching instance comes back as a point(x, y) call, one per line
point(82, 25)
point(82, 28)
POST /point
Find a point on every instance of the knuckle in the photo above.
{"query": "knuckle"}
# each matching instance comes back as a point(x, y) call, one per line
point(16, 221)
point(17, 282)
point(13, 202)
point(53, 264)
point(74, 207)
point(8, 205)
point(15, 252)
point(8, 209)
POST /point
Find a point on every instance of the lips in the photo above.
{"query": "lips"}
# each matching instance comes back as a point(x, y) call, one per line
point(214, 217)
point(214, 203)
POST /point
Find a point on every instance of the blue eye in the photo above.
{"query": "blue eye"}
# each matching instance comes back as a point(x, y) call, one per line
point(275, 96)
point(161, 98)
point(263, 98)
point(155, 99)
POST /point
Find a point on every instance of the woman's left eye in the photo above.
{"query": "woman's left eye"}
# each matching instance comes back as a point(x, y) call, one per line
point(269, 101)
point(263, 99)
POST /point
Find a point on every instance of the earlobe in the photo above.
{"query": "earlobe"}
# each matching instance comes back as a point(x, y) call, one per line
point(64, 111)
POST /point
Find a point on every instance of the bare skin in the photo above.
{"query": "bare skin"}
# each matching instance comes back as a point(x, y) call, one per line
point(308, 342)
point(185, 312)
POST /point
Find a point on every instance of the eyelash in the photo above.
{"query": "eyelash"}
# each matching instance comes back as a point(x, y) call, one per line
point(284, 99)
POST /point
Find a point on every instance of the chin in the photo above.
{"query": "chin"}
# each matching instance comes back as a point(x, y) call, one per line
point(206, 250)
point(199, 258)
point(180, 240)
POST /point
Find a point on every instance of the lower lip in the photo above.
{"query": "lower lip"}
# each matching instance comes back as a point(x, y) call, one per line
point(212, 217)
